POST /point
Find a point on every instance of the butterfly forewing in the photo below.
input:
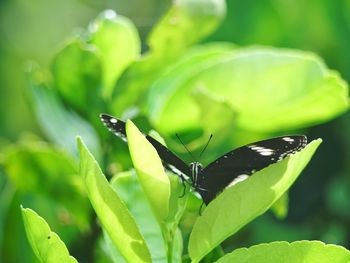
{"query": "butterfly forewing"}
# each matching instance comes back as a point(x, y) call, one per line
point(170, 160)
point(244, 161)
point(114, 125)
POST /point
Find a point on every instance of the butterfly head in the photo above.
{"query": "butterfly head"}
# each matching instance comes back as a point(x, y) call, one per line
point(196, 168)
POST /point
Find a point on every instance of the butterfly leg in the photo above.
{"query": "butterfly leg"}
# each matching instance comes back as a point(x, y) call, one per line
point(184, 187)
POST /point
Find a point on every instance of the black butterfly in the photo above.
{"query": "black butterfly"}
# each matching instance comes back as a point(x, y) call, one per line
point(229, 169)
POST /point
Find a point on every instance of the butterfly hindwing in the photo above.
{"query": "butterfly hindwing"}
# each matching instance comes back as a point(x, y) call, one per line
point(242, 162)
point(170, 160)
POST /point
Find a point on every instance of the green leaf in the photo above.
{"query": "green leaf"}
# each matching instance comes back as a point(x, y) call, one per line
point(215, 111)
point(186, 23)
point(141, 75)
point(246, 201)
point(299, 251)
point(77, 76)
point(37, 168)
point(47, 245)
point(14, 235)
point(215, 114)
point(44, 166)
point(111, 250)
point(177, 205)
point(129, 189)
point(161, 94)
point(7, 193)
point(290, 89)
point(280, 207)
point(177, 247)
point(150, 171)
point(59, 124)
point(111, 210)
point(118, 44)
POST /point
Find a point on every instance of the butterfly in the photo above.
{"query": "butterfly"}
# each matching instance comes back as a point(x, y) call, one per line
point(227, 170)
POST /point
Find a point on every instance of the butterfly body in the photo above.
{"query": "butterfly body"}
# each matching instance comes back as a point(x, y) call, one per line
point(227, 170)
point(196, 172)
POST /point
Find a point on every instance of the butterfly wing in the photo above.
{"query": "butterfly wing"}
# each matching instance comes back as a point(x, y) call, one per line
point(170, 160)
point(240, 163)
point(114, 125)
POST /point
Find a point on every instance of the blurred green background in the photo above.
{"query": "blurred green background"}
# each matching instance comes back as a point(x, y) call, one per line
point(319, 206)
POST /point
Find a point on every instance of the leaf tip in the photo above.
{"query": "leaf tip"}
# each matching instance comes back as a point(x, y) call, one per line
point(79, 140)
point(129, 123)
point(23, 210)
point(80, 144)
point(317, 141)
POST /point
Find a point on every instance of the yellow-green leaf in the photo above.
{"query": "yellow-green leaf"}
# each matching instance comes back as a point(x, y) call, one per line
point(111, 211)
point(238, 205)
point(150, 171)
point(118, 44)
point(47, 245)
point(299, 251)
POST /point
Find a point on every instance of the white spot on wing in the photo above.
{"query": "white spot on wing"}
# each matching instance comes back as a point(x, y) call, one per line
point(113, 120)
point(288, 139)
point(266, 153)
point(262, 150)
point(238, 179)
point(256, 148)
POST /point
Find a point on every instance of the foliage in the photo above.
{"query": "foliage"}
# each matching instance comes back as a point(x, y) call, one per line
point(180, 85)
point(306, 251)
point(46, 244)
point(112, 212)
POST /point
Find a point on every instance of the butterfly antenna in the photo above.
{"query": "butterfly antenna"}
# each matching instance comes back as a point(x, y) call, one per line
point(205, 147)
point(185, 147)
